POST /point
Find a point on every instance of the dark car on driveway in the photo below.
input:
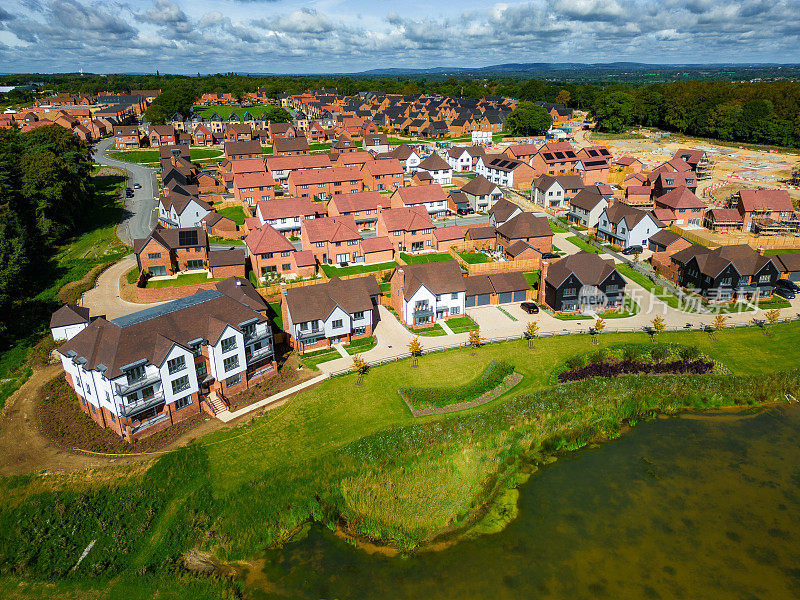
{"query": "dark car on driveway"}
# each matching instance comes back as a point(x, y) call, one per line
point(787, 285)
point(784, 292)
point(529, 307)
point(128, 193)
point(550, 255)
point(633, 250)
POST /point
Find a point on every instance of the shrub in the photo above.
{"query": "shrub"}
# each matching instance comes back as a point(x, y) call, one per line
point(599, 356)
point(631, 352)
point(690, 353)
point(660, 353)
point(576, 362)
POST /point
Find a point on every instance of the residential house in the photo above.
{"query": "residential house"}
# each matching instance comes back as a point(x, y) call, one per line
point(425, 293)
point(126, 137)
point(481, 193)
point(555, 192)
point(762, 208)
point(338, 311)
point(238, 150)
point(789, 265)
point(238, 132)
point(582, 282)
point(161, 135)
point(527, 228)
point(202, 135)
point(68, 321)
point(585, 208)
point(281, 166)
point(698, 160)
point(287, 214)
point(723, 220)
point(438, 168)
point(626, 226)
point(688, 209)
point(376, 142)
point(432, 197)
point(667, 241)
point(522, 152)
point(170, 251)
point(444, 237)
point(457, 202)
point(628, 164)
point(182, 210)
point(382, 175)
point(279, 131)
point(272, 256)
point(554, 158)
point(463, 158)
point(333, 240)
point(362, 206)
point(353, 159)
point(406, 155)
point(227, 263)
point(146, 371)
point(290, 146)
point(639, 196)
point(409, 229)
point(666, 181)
point(508, 172)
point(724, 273)
point(325, 183)
point(251, 188)
point(502, 211)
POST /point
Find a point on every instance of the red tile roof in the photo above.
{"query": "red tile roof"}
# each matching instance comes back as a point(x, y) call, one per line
point(331, 229)
point(376, 244)
point(288, 207)
point(267, 239)
point(387, 166)
point(680, 197)
point(296, 163)
point(410, 218)
point(248, 180)
point(359, 201)
point(315, 176)
point(773, 200)
point(421, 194)
point(247, 165)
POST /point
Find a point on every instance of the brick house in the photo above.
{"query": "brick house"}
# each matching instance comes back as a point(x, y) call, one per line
point(146, 371)
point(339, 311)
point(272, 255)
point(287, 214)
point(227, 263)
point(202, 136)
point(425, 293)
point(432, 197)
point(170, 251)
point(554, 158)
point(237, 150)
point(688, 209)
point(161, 135)
point(279, 131)
point(522, 152)
point(756, 206)
point(382, 175)
point(126, 137)
point(666, 182)
point(333, 240)
point(364, 207)
point(294, 146)
point(251, 188)
point(594, 164)
point(723, 220)
point(281, 166)
point(238, 132)
point(409, 229)
point(325, 183)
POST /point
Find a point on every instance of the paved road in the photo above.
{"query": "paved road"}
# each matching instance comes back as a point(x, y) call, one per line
point(139, 216)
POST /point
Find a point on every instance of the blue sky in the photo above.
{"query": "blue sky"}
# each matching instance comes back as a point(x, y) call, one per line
point(283, 36)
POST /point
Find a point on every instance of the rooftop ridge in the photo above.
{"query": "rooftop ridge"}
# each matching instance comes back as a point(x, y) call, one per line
point(164, 309)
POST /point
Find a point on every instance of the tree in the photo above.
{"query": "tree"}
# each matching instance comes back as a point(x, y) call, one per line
point(415, 348)
point(359, 367)
point(599, 326)
point(659, 325)
point(613, 111)
point(475, 338)
point(531, 331)
point(720, 323)
point(563, 97)
point(528, 119)
point(178, 99)
point(772, 317)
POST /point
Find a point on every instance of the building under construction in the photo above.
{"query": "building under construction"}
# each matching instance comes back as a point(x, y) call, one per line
point(702, 166)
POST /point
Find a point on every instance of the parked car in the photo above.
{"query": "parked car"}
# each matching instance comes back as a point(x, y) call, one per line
point(785, 292)
point(137, 186)
point(633, 250)
point(788, 285)
point(128, 193)
point(529, 307)
point(549, 255)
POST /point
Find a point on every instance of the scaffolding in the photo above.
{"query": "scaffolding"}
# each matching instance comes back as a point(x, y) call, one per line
point(705, 168)
point(795, 178)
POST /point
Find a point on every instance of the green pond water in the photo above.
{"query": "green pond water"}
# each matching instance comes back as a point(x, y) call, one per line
point(694, 507)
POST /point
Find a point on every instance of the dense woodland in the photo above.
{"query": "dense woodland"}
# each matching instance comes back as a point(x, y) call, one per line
point(45, 198)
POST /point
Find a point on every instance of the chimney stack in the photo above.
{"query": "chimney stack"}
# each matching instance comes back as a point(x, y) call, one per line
point(542, 277)
point(760, 251)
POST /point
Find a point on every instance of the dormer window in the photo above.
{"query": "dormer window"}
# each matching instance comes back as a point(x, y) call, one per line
point(135, 374)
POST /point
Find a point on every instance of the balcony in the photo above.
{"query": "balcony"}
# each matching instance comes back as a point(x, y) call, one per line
point(259, 354)
point(258, 336)
point(423, 311)
point(131, 408)
point(124, 390)
point(150, 422)
point(310, 333)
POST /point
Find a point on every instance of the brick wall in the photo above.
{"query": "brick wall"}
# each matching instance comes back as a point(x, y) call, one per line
point(228, 271)
point(153, 247)
point(145, 295)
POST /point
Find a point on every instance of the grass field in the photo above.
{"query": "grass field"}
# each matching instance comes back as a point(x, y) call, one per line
point(152, 156)
point(226, 111)
point(556, 228)
point(185, 279)
point(580, 243)
point(532, 277)
point(226, 241)
point(474, 258)
point(352, 455)
point(461, 324)
point(235, 213)
point(361, 345)
point(334, 271)
point(414, 259)
point(774, 251)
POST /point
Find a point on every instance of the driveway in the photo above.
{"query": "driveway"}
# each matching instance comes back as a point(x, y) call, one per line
point(103, 298)
point(139, 216)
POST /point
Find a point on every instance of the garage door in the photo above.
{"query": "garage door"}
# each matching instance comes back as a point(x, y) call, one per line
point(520, 295)
point(794, 276)
point(505, 297)
point(484, 299)
point(470, 301)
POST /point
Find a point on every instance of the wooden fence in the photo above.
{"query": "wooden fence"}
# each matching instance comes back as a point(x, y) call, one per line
point(506, 266)
point(712, 240)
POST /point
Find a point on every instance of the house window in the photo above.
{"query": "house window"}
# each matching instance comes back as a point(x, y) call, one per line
point(135, 374)
point(570, 292)
point(230, 363)
point(229, 344)
point(154, 255)
point(201, 369)
point(455, 310)
point(233, 380)
point(131, 398)
point(336, 324)
point(180, 384)
point(285, 253)
point(286, 266)
point(183, 402)
point(320, 244)
point(454, 296)
point(266, 255)
point(358, 315)
point(148, 391)
point(359, 331)
point(194, 264)
point(764, 279)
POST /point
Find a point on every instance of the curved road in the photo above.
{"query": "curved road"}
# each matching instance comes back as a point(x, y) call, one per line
point(139, 216)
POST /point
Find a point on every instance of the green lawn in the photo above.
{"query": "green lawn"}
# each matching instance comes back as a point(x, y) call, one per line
point(475, 258)
point(583, 245)
point(461, 324)
point(556, 228)
point(312, 359)
point(361, 345)
point(226, 241)
point(629, 308)
point(181, 280)
point(275, 313)
point(332, 270)
point(385, 286)
point(152, 155)
point(773, 251)
point(661, 293)
point(413, 259)
point(226, 111)
point(235, 213)
point(532, 277)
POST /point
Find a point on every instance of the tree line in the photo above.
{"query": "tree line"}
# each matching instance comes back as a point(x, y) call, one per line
point(45, 196)
point(754, 112)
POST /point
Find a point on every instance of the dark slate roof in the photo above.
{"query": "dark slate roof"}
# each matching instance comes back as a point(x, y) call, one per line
point(588, 267)
point(438, 277)
point(318, 301)
point(525, 225)
point(69, 314)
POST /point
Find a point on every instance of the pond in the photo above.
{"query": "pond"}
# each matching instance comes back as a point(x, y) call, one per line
point(698, 506)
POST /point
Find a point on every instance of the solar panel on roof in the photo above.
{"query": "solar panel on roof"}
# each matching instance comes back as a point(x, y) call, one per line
point(187, 238)
point(570, 154)
point(548, 156)
point(165, 309)
point(559, 155)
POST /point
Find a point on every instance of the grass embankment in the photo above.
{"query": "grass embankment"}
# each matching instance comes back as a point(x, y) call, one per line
point(583, 245)
point(556, 228)
point(341, 453)
point(334, 271)
point(439, 397)
point(234, 213)
point(73, 271)
point(153, 156)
